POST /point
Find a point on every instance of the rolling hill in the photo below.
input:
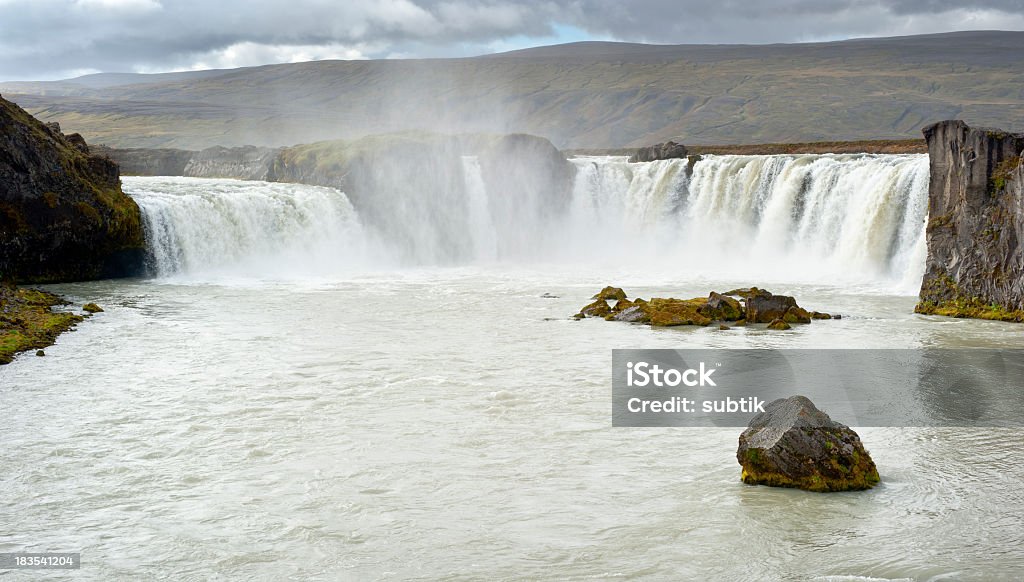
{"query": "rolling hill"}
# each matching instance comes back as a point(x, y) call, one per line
point(580, 95)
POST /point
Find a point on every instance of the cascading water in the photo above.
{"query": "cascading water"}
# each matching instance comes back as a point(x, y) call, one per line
point(201, 226)
point(802, 218)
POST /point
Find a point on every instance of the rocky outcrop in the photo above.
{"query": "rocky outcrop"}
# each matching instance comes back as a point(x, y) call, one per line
point(147, 162)
point(63, 216)
point(241, 163)
point(793, 444)
point(975, 265)
point(28, 320)
point(662, 151)
point(758, 306)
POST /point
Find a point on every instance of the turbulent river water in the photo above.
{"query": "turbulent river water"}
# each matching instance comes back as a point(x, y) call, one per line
point(283, 399)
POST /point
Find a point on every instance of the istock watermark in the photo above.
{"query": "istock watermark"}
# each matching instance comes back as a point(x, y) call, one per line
point(926, 387)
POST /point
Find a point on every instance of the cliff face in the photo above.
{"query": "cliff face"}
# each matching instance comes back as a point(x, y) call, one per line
point(63, 216)
point(242, 163)
point(975, 229)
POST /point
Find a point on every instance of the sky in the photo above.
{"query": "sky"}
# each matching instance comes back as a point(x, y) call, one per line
point(56, 39)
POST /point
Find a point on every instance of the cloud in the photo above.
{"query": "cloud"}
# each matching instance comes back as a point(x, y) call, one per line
point(54, 38)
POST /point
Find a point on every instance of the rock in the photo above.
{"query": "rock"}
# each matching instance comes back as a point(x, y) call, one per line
point(722, 307)
point(29, 322)
point(620, 306)
point(63, 216)
point(820, 315)
point(723, 327)
point(148, 162)
point(793, 444)
point(598, 308)
point(760, 307)
point(976, 223)
point(763, 307)
point(40, 353)
point(739, 323)
point(633, 314)
point(743, 292)
point(673, 312)
point(92, 308)
point(610, 294)
point(796, 315)
point(837, 316)
point(662, 151)
point(548, 296)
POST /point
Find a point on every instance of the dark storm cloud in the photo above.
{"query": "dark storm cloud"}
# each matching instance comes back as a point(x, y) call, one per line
point(52, 38)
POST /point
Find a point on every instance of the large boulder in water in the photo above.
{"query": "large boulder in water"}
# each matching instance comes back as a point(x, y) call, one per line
point(793, 444)
point(63, 216)
point(763, 307)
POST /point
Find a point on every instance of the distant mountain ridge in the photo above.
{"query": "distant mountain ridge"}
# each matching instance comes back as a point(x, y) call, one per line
point(579, 95)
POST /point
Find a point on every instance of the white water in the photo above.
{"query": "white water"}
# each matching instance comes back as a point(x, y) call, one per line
point(204, 227)
point(852, 219)
point(345, 423)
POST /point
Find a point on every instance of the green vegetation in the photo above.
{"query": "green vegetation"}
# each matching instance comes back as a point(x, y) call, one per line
point(27, 321)
point(946, 299)
point(1003, 172)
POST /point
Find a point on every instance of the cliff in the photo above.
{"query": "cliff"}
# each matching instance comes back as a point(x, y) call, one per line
point(242, 163)
point(975, 265)
point(63, 215)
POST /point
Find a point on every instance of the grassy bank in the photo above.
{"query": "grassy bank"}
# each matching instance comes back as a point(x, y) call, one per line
point(27, 321)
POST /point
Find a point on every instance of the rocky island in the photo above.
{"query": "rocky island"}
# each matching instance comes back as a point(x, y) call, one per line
point(975, 265)
point(753, 306)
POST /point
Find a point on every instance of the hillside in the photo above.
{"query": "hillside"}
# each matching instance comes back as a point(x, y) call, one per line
point(582, 95)
point(63, 216)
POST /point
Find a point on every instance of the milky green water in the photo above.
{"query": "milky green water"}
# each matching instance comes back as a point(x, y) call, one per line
point(454, 424)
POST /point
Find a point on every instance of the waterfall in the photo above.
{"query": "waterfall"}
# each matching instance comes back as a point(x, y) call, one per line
point(197, 225)
point(802, 218)
point(832, 219)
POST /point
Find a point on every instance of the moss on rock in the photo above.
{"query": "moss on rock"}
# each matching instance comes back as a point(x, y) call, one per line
point(63, 215)
point(28, 322)
point(793, 444)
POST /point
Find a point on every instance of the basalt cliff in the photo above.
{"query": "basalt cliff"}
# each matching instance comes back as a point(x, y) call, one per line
point(975, 265)
point(63, 216)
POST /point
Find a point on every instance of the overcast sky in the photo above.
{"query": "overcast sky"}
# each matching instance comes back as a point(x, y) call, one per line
point(53, 39)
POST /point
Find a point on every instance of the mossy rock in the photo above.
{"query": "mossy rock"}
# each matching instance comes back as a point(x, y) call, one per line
point(674, 312)
point(92, 308)
point(610, 294)
point(820, 315)
point(793, 444)
point(796, 315)
point(778, 325)
point(598, 308)
point(721, 307)
point(28, 321)
point(763, 307)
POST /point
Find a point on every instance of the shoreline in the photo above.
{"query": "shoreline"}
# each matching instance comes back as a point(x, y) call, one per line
point(28, 322)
